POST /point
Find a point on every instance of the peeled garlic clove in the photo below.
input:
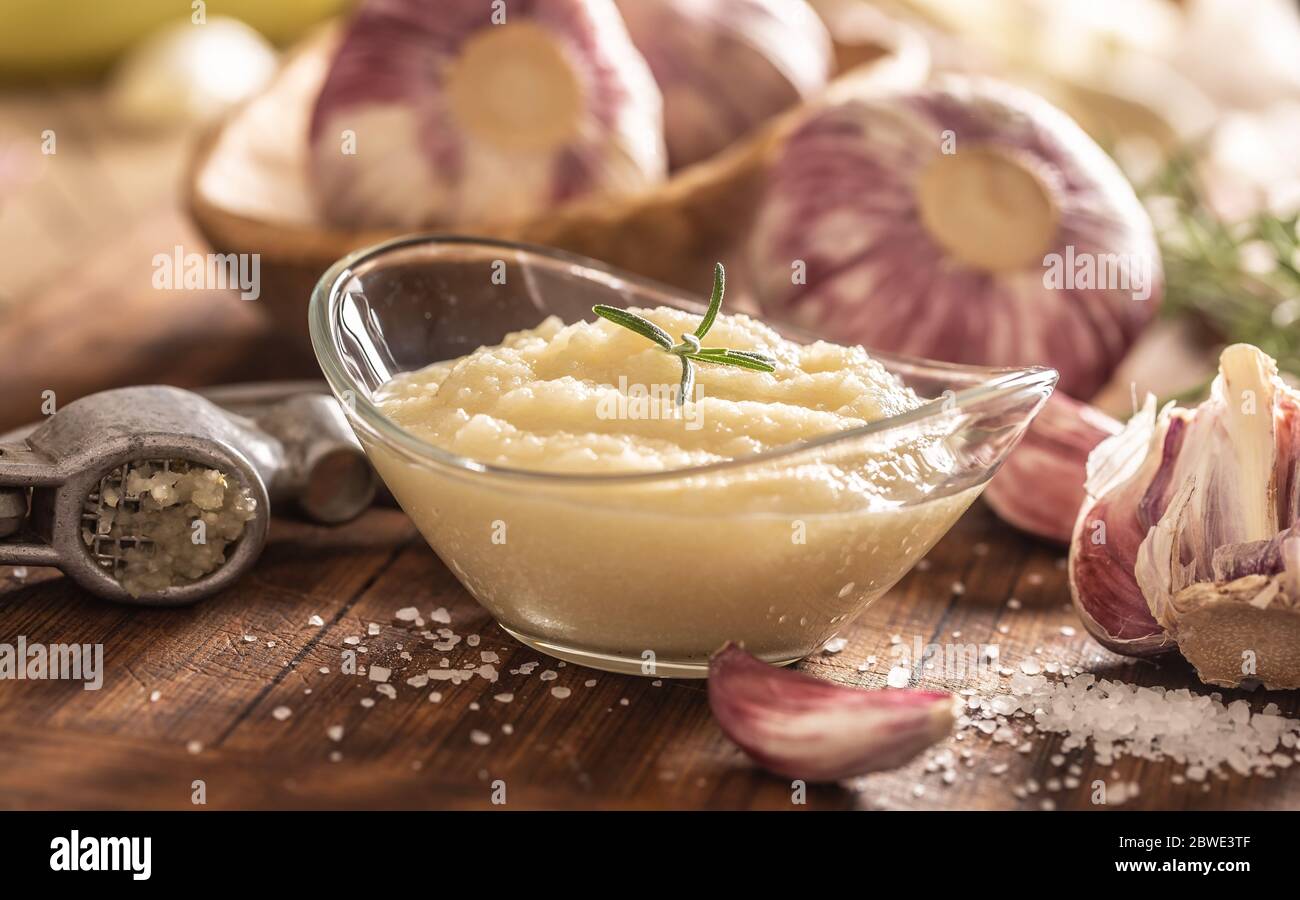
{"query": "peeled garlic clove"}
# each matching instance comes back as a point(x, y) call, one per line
point(460, 112)
point(725, 66)
point(801, 727)
point(1040, 488)
point(1197, 510)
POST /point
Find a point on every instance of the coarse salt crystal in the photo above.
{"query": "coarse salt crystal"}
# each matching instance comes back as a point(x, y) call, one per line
point(281, 713)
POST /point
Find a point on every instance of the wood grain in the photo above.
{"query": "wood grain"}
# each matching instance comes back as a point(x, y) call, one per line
point(61, 746)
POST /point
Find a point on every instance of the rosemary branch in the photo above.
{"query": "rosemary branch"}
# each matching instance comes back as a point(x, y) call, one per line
point(690, 350)
point(1240, 278)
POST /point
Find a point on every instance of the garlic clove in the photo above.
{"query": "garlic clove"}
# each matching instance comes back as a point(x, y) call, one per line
point(1108, 534)
point(1198, 513)
point(802, 727)
point(1040, 488)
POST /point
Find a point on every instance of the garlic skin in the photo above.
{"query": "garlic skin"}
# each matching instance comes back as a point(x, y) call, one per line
point(1040, 488)
point(1214, 496)
point(802, 727)
point(436, 114)
point(933, 222)
point(725, 66)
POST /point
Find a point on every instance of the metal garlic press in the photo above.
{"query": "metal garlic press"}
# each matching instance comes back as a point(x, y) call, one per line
point(61, 480)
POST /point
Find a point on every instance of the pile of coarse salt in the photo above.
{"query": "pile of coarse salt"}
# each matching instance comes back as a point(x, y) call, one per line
point(1118, 719)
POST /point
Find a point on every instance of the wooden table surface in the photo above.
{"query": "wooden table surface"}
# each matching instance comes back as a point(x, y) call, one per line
point(78, 314)
point(220, 670)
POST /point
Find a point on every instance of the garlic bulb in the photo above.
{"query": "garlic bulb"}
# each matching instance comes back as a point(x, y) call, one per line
point(1191, 535)
point(802, 727)
point(1039, 488)
point(468, 112)
point(724, 66)
point(185, 74)
point(970, 222)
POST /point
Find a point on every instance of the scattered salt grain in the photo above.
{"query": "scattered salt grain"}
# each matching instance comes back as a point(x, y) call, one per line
point(335, 733)
point(380, 673)
point(898, 676)
point(482, 738)
point(835, 645)
point(316, 621)
point(1067, 631)
point(1013, 603)
point(372, 629)
point(155, 696)
point(549, 675)
point(281, 713)
point(367, 702)
point(440, 616)
point(560, 693)
point(194, 747)
point(386, 690)
point(407, 614)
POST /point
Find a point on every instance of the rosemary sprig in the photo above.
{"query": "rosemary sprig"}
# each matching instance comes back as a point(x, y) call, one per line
point(1213, 269)
point(689, 350)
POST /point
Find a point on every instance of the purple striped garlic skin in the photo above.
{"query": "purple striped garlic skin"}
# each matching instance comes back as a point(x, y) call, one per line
point(1213, 499)
point(438, 113)
point(803, 727)
point(726, 66)
point(1109, 531)
point(1040, 487)
point(923, 222)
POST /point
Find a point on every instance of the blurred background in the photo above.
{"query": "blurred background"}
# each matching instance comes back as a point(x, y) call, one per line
point(120, 139)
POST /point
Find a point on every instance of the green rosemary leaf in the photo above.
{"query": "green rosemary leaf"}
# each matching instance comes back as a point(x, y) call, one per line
point(732, 359)
point(633, 322)
point(747, 354)
point(688, 381)
point(1213, 272)
point(715, 300)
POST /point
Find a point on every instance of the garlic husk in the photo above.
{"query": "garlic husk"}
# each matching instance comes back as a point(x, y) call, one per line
point(969, 222)
point(802, 727)
point(1040, 488)
point(1107, 535)
point(1215, 499)
point(458, 112)
point(725, 66)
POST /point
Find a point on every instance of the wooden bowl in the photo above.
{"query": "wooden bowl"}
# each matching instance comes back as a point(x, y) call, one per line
point(246, 186)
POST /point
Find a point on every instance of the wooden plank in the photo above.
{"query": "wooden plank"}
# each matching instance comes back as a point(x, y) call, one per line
point(61, 746)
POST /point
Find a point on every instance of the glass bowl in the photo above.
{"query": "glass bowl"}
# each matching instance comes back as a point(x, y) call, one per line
point(650, 573)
